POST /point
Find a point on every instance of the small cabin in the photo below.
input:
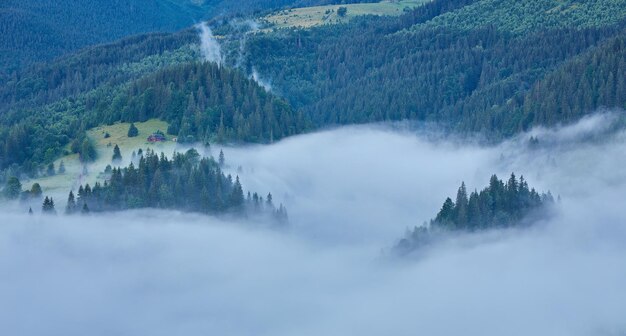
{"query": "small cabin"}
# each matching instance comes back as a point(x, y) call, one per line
point(157, 136)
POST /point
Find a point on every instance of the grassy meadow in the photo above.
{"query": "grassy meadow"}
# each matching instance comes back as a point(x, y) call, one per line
point(77, 173)
point(320, 15)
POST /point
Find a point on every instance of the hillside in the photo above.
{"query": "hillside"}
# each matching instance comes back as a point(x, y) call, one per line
point(34, 31)
point(427, 64)
point(31, 31)
point(521, 17)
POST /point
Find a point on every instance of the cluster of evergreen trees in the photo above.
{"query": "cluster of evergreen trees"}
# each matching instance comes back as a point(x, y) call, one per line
point(43, 108)
point(203, 102)
point(185, 182)
point(499, 205)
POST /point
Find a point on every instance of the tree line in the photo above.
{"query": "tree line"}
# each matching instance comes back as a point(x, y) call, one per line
point(185, 182)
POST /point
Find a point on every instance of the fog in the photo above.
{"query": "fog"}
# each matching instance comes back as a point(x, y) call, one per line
point(351, 193)
point(210, 47)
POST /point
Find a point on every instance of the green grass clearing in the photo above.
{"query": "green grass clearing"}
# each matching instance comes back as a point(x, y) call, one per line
point(60, 184)
point(321, 15)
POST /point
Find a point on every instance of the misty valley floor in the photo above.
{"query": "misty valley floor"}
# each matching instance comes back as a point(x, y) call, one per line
point(351, 192)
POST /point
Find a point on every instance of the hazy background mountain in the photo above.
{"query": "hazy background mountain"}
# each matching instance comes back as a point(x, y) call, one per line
point(32, 31)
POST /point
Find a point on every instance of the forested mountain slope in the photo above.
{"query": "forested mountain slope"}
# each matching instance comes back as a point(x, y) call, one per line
point(35, 31)
point(520, 17)
point(549, 62)
point(32, 31)
point(431, 65)
point(202, 102)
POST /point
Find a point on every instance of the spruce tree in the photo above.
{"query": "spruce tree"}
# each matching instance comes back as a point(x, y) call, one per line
point(62, 167)
point(280, 215)
point(269, 202)
point(71, 204)
point(132, 131)
point(50, 171)
point(117, 155)
point(48, 206)
point(461, 207)
point(222, 159)
point(445, 217)
point(236, 196)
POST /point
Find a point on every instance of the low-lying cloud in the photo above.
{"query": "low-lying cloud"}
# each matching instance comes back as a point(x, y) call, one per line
point(209, 46)
point(350, 192)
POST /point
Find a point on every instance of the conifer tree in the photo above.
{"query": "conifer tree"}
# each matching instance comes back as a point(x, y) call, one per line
point(117, 155)
point(236, 197)
point(71, 204)
point(222, 159)
point(62, 167)
point(269, 201)
point(461, 206)
point(281, 215)
point(50, 170)
point(445, 217)
point(132, 131)
point(48, 206)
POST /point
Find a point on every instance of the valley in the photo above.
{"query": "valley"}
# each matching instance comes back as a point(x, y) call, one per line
point(313, 167)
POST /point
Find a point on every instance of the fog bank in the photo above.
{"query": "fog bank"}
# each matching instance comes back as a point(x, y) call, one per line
point(350, 192)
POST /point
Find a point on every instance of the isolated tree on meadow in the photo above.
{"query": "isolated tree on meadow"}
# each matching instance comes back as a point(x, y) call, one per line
point(342, 11)
point(61, 168)
point(222, 159)
point(132, 131)
point(50, 170)
point(117, 155)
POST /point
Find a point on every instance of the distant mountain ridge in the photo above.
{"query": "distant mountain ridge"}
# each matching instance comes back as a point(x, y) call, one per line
point(34, 31)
